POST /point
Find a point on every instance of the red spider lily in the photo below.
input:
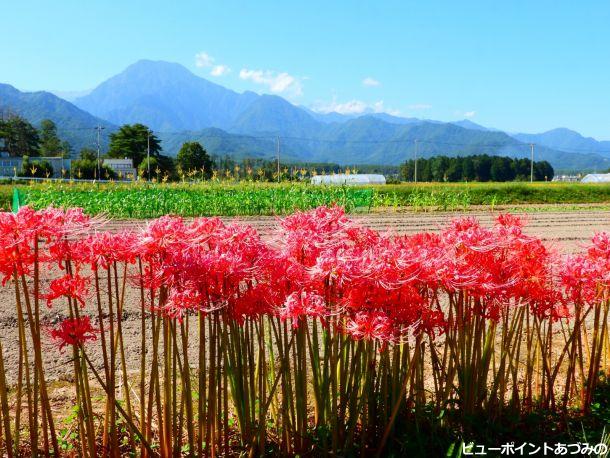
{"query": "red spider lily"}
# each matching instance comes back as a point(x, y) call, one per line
point(206, 265)
point(16, 254)
point(304, 235)
point(20, 233)
point(202, 229)
point(371, 326)
point(70, 286)
point(56, 224)
point(52, 224)
point(181, 301)
point(15, 259)
point(498, 265)
point(104, 248)
point(586, 277)
point(580, 277)
point(162, 236)
point(600, 246)
point(303, 304)
point(74, 331)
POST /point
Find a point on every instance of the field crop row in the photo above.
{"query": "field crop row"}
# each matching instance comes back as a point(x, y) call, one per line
point(147, 201)
point(154, 201)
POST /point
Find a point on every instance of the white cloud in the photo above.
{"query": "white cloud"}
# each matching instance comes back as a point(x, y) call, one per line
point(203, 60)
point(279, 83)
point(370, 82)
point(470, 114)
point(353, 107)
point(220, 70)
point(350, 107)
point(379, 107)
point(419, 106)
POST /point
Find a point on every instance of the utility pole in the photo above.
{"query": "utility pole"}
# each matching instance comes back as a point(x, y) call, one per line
point(148, 152)
point(532, 163)
point(278, 158)
point(99, 131)
point(415, 174)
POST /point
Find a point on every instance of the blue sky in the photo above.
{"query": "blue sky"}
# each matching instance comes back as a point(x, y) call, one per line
point(517, 65)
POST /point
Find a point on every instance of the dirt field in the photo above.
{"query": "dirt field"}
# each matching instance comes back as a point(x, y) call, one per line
point(563, 230)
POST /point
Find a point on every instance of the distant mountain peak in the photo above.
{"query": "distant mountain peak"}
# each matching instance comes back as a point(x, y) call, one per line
point(468, 124)
point(165, 96)
point(568, 140)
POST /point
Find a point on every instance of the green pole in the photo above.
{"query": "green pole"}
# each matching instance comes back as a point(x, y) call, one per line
point(16, 200)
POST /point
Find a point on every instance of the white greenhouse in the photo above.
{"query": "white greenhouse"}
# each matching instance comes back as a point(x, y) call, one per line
point(351, 179)
point(596, 178)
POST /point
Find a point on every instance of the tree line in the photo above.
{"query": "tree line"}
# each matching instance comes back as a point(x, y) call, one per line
point(19, 138)
point(480, 167)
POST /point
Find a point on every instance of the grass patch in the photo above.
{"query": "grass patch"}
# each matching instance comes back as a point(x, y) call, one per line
point(6, 195)
point(492, 193)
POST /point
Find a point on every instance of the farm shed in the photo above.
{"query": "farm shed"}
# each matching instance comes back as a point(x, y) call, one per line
point(352, 179)
point(596, 178)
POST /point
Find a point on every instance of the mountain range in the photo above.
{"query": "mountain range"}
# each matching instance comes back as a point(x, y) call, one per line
point(180, 106)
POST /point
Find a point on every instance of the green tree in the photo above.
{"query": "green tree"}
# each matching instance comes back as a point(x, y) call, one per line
point(455, 169)
point(543, 171)
point(475, 168)
point(50, 143)
point(160, 167)
point(438, 167)
point(468, 172)
point(424, 170)
point(35, 169)
point(131, 141)
point(19, 137)
point(66, 149)
point(85, 167)
point(192, 156)
point(407, 170)
point(502, 169)
point(482, 167)
point(88, 154)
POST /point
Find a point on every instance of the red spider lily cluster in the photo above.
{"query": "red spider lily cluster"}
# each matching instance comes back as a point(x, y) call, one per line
point(370, 294)
point(320, 264)
point(74, 331)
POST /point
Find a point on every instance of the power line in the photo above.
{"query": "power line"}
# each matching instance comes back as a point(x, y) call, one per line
point(404, 141)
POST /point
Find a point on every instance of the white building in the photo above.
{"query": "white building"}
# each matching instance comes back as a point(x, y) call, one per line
point(596, 178)
point(348, 179)
point(122, 167)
